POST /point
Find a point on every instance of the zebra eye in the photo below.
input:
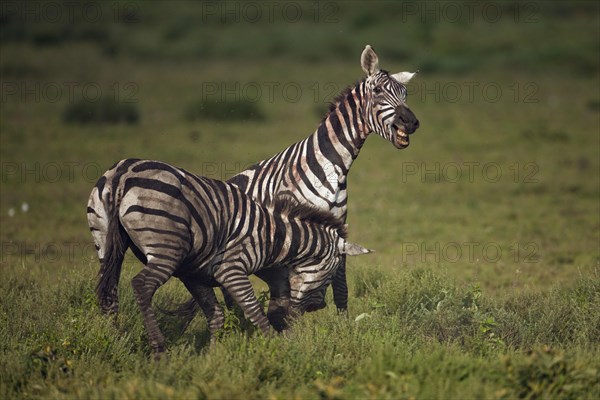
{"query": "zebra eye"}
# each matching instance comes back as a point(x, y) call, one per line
point(377, 90)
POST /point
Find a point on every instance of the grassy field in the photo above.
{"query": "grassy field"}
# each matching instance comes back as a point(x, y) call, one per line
point(486, 278)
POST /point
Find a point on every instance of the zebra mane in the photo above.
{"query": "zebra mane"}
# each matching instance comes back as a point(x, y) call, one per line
point(342, 96)
point(305, 212)
point(338, 99)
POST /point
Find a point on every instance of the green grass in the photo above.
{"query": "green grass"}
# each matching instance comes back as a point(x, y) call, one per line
point(485, 279)
point(416, 333)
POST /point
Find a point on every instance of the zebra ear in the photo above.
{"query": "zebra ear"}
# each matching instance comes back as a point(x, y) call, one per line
point(404, 77)
point(369, 61)
point(353, 249)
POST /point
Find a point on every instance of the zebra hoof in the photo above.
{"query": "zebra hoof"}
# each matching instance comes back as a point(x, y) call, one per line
point(160, 355)
point(343, 312)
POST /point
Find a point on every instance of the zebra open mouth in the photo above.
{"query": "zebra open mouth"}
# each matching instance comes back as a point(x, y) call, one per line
point(399, 137)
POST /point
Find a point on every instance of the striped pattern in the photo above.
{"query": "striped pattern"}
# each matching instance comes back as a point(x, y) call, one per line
point(207, 233)
point(314, 171)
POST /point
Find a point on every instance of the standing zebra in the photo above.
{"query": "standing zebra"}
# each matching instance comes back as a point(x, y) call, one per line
point(314, 170)
point(206, 233)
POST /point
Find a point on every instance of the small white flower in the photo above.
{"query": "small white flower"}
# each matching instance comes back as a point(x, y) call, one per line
point(11, 212)
point(24, 207)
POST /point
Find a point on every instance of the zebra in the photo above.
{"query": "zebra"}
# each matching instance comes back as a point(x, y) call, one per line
point(314, 170)
point(206, 233)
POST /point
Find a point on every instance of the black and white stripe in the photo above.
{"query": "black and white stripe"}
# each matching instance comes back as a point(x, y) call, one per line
point(207, 233)
point(314, 171)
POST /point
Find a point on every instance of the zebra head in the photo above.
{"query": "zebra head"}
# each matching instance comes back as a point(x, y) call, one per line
point(309, 282)
point(385, 101)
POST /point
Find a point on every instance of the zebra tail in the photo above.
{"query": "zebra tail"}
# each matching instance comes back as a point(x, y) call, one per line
point(186, 310)
point(110, 266)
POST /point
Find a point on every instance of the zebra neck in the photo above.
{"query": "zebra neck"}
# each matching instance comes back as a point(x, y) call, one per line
point(341, 134)
point(278, 240)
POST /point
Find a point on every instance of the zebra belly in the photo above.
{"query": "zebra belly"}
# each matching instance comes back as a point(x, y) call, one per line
point(200, 268)
point(202, 275)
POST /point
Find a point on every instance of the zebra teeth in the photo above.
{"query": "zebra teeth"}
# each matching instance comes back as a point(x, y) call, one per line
point(401, 140)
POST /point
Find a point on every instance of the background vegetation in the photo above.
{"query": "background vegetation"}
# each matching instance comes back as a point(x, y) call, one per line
point(486, 280)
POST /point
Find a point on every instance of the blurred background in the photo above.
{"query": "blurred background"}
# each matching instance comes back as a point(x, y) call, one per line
point(500, 185)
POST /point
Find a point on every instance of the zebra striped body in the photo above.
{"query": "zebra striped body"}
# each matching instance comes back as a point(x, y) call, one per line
point(206, 233)
point(314, 171)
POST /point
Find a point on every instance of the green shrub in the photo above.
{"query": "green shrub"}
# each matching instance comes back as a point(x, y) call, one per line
point(547, 373)
point(235, 110)
point(367, 280)
point(104, 111)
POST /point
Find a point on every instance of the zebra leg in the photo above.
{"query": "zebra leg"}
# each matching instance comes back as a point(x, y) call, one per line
point(206, 299)
point(145, 285)
point(229, 302)
point(340, 287)
point(235, 281)
point(279, 288)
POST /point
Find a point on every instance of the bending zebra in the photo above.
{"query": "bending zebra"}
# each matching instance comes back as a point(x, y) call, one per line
point(206, 233)
point(314, 171)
